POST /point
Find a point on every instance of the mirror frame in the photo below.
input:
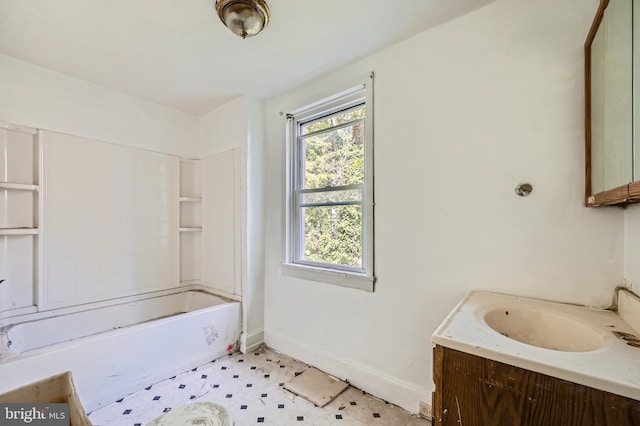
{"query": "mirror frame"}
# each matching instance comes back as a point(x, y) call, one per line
point(621, 195)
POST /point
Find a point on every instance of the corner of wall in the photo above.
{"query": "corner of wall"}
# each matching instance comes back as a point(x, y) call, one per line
point(401, 393)
point(251, 341)
point(240, 124)
point(223, 128)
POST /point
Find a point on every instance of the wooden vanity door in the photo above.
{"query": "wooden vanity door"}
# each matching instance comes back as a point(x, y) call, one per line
point(471, 390)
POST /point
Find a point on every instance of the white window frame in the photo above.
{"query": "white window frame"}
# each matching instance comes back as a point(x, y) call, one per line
point(353, 277)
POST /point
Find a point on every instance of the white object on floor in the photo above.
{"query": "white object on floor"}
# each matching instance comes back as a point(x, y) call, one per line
point(197, 413)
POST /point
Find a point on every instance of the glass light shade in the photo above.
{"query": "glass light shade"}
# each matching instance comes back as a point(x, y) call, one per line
point(244, 18)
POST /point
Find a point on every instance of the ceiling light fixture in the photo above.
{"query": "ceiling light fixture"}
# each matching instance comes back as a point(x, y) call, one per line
point(244, 18)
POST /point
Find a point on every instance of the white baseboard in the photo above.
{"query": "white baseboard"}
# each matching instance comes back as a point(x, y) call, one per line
point(399, 392)
point(251, 341)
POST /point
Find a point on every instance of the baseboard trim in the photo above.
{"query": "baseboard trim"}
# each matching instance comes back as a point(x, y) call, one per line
point(251, 341)
point(401, 393)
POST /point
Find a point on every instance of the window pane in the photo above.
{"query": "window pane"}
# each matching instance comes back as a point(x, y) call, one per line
point(325, 197)
point(333, 234)
point(333, 158)
point(336, 119)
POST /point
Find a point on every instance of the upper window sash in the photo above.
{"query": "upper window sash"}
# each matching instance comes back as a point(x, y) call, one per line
point(330, 128)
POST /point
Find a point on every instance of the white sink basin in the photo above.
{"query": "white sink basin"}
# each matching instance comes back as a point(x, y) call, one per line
point(591, 347)
point(543, 329)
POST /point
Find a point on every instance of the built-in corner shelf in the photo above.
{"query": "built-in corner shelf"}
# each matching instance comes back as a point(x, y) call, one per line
point(19, 231)
point(191, 229)
point(18, 186)
point(22, 212)
point(190, 199)
point(190, 222)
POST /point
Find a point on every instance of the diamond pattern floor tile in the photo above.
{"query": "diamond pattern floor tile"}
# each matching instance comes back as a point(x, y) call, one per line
point(251, 387)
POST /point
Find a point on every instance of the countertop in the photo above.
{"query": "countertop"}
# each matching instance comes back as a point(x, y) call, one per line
point(613, 367)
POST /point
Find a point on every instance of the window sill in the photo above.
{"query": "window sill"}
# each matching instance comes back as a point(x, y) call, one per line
point(343, 279)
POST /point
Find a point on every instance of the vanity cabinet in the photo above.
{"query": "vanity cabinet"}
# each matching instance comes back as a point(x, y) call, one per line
point(471, 390)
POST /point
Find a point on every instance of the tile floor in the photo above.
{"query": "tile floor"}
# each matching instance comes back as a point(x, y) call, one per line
point(250, 386)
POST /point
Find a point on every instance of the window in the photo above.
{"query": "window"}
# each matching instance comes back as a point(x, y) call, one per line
point(330, 190)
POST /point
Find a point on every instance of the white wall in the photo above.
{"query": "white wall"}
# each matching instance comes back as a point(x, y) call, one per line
point(222, 222)
point(240, 124)
point(463, 113)
point(254, 287)
point(110, 221)
point(38, 97)
point(224, 128)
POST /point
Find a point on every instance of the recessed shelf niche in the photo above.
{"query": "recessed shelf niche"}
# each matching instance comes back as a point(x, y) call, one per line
point(20, 201)
point(190, 226)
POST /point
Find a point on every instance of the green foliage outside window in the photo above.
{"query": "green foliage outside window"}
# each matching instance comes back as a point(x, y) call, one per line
point(334, 157)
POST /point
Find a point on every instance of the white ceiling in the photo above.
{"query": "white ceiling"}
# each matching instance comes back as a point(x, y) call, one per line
point(178, 53)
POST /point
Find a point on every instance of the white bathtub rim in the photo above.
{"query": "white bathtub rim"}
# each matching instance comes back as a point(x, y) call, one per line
point(10, 316)
point(9, 356)
point(47, 313)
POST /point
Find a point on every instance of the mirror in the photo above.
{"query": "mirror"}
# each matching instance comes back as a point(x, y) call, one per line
point(609, 87)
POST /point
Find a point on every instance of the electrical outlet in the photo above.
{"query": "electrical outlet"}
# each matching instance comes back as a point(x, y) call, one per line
point(425, 411)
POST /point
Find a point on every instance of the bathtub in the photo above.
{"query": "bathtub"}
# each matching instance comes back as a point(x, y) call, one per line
point(115, 350)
